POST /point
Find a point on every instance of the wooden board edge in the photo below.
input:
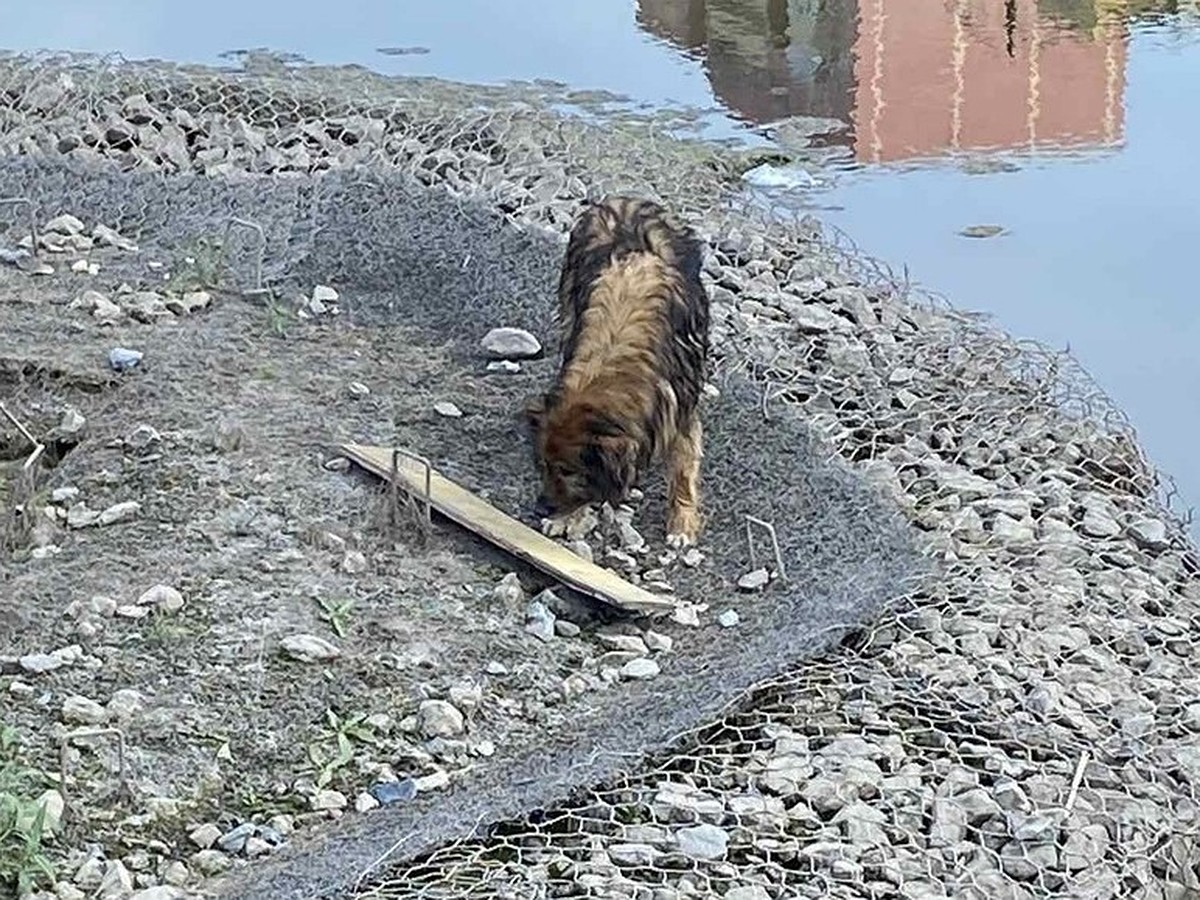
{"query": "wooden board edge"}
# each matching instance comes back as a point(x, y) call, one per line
point(587, 578)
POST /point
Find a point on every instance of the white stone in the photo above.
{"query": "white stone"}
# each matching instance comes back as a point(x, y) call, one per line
point(52, 804)
point(309, 648)
point(510, 343)
point(750, 892)
point(1149, 533)
point(158, 892)
point(754, 581)
point(327, 800)
point(64, 224)
point(702, 841)
point(205, 836)
point(439, 719)
point(119, 512)
point(629, 643)
point(116, 883)
point(640, 669)
point(163, 597)
point(508, 589)
point(634, 854)
point(435, 781)
point(79, 710)
point(659, 643)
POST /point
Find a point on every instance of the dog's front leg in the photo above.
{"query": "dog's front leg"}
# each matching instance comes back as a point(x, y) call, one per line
point(683, 484)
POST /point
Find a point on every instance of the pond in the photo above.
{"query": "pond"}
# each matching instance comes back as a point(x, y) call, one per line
point(1029, 158)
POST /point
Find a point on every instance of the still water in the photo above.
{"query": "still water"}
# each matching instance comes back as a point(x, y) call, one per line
point(1071, 124)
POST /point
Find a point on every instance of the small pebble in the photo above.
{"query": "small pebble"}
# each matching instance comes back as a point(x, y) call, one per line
point(309, 648)
point(328, 800)
point(234, 840)
point(433, 782)
point(728, 619)
point(640, 669)
point(163, 597)
point(322, 293)
point(64, 495)
point(122, 359)
point(659, 643)
point(358, 389)
point(79, 710)
point(439, 718)
point(354, 562)
point(539, 621)
point(447, 409)
point(256, 847)
point(754, 581)
point(205, 836)
point(389, 792)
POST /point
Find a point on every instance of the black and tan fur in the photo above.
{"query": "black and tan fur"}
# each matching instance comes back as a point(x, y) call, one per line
point(634, 321)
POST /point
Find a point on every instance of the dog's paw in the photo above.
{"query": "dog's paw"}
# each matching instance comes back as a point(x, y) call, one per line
point(683, 528)
point(678, 540)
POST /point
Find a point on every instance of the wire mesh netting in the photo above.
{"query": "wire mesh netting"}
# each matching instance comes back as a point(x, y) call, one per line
point(1023, 724)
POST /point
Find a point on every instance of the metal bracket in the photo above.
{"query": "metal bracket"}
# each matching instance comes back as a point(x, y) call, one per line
point(397, 452)
point(38, 447)
point(770, 529)
point(260, 254)
point(33, 229)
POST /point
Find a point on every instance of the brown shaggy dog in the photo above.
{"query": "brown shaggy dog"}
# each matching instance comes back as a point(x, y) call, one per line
point(634, 320)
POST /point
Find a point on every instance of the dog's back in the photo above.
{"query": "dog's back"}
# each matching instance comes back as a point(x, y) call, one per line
point(607, 253)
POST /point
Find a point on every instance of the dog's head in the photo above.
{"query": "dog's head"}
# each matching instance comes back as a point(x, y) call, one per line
point(584, 455)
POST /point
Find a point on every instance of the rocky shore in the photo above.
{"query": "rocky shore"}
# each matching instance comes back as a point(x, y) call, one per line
point(1024, 725)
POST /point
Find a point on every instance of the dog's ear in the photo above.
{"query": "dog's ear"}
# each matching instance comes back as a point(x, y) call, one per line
point(535, 410)
point(611, 462)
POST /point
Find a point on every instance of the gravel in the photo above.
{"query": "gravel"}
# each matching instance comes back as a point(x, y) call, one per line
point(1048, 660)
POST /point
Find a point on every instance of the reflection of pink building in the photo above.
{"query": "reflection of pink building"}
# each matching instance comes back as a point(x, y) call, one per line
point(914, 77)
point(934, 75)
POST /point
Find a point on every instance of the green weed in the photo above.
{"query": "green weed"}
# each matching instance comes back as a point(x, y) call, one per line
point(334, 750)
point(24, 865)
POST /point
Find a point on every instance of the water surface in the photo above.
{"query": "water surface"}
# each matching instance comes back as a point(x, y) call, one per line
point(1072, 124)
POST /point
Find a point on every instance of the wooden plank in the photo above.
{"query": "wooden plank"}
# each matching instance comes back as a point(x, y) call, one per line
point(515, 537)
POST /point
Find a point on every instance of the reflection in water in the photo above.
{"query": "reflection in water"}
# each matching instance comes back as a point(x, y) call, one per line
point(920, 77)
point(766, 59)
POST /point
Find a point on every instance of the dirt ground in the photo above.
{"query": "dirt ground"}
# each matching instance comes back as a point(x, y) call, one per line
point(238, 528)
point(221, 436)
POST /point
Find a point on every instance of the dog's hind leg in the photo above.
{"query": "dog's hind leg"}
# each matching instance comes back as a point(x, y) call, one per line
point(683, 484)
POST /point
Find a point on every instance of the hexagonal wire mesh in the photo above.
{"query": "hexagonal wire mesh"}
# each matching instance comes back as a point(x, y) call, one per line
point(1026, 727)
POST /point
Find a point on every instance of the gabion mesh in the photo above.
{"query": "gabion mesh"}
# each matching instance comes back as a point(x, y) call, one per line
point(1023, 725)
